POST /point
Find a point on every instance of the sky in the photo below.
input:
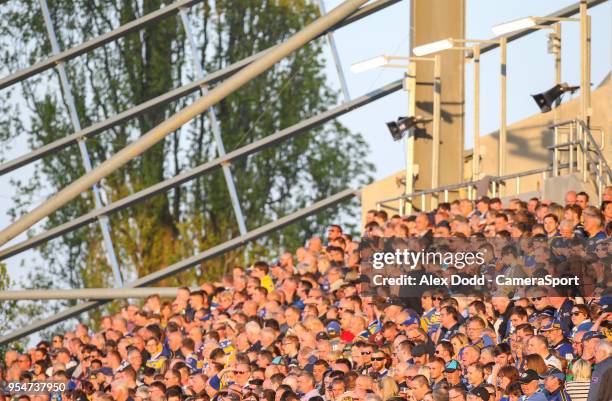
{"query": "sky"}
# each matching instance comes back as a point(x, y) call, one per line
point(530, 70)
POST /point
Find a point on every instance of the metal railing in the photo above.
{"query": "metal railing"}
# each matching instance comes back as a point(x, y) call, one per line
point(581, 146)
point(583, 154)
point(444, 191)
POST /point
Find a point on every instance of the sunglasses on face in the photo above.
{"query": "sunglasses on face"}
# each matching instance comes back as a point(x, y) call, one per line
point(365, 353)
point(378, 358)
point(534, 299)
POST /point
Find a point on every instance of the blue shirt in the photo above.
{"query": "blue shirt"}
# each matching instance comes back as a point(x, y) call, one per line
point(537, 396)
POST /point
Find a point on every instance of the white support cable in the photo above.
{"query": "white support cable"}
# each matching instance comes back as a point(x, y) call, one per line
point(67, 94)
point(216, 129)
point(334, 50)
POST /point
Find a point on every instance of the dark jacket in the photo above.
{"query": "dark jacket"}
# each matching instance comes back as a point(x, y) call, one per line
point(601, 390)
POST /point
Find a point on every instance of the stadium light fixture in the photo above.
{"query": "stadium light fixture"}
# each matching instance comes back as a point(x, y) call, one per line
point(510, 27)
point(433, 47)
point(369, 64)
point(546, 99)
point(513, 26)
point(473, 45)
point(403, 124)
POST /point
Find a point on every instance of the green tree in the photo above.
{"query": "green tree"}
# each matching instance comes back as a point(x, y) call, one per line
point(145, 64)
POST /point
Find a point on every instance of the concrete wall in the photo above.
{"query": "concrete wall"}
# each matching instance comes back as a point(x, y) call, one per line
point(434, 20)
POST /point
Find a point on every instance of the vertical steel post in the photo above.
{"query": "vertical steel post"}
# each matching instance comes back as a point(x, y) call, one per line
point(518, 185)
point(571, 148)
point(435, 157)
point(334, 50)
point(74, 118)
point(216, 129)
point(476, 151)
point(557, 54)
point(585, 152)
point(585, 86)
point(502, 129)
point(410, 137)
point(555, 159)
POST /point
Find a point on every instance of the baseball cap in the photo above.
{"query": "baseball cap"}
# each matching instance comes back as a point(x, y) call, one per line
point(547, 313)
point(333, 329)
point(322, 336)
point(589, 335)
point(419, 350)
point(481, 392)
point(528, 376)
point(451, 366)
point(555, 373)
point(554, 325)
point(606, 303)
point(444, 224)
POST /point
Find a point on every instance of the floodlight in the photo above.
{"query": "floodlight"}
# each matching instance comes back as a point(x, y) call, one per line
point(402, 125)
point(546, 99)
point(379, 61)
point(513, 26)
point(433, 47)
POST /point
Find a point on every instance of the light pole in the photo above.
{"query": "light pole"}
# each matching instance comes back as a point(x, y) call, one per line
point(451, 44)
point(410, 86)
point(585, 51)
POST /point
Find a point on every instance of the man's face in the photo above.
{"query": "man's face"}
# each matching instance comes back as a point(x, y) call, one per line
point(418, 390)
point(581, 201)
point(570, 198)
point(378, 361)
point(446, 319)
point(333, 233)
point(473, 375)
point(318, 371)
point(304, 384)
point(435, 369)
point(550, 225)
point(474, 331)
point(500, 224)
point(529, 388)
point(422, 222)
point(551, 384)
point(156, 393)
point(531, 347)
point(539, 300)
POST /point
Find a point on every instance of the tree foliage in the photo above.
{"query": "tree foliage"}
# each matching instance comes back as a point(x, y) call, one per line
point(146, 64)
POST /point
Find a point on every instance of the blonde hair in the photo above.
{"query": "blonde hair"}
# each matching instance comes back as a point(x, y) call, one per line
point(388, 388)
point(424, 370)
point(581, 371)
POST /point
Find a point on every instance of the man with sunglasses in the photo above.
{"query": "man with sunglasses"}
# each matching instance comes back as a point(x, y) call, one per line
point(378, 367)
point(430, 320)
point(557, 340)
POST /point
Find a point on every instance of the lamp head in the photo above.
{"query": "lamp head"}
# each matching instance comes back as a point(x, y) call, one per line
point(433, 47)
point(402, 125)
point(514, 26)
point(546, 99)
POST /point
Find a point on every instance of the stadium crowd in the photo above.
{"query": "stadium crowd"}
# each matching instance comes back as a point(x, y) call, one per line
point(308, 327)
